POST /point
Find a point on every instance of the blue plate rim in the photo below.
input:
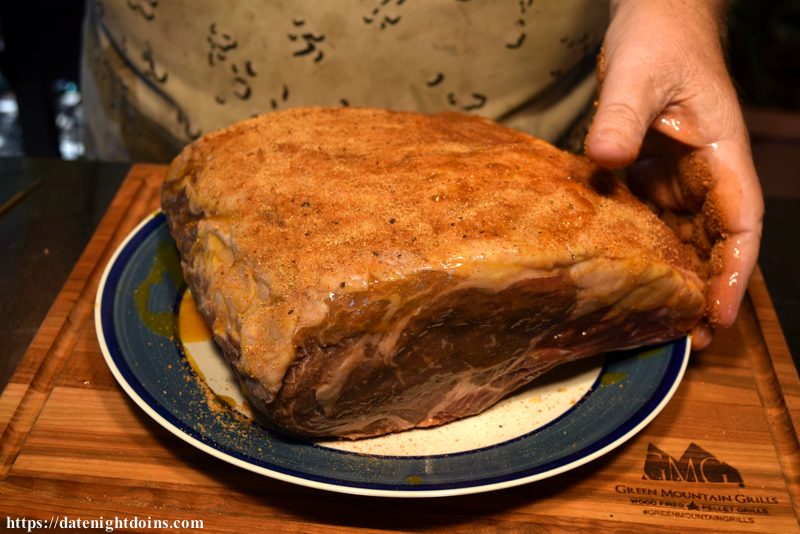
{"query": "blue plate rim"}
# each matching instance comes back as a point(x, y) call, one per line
point(679, 357)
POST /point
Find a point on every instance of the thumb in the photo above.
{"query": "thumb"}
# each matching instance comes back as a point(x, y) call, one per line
point(628, 105)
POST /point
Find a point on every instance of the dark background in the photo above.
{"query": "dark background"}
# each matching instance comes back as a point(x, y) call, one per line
point(764, 52)
point(42, 43)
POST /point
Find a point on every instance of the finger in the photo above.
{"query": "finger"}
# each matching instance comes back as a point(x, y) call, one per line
point(735, 201)
point(628, 104)
point(701, 336)
point(726, 290)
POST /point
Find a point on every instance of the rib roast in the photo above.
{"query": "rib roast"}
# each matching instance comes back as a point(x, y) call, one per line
point(367, 271)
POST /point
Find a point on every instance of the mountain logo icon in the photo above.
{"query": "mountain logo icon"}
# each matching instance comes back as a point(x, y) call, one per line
point(696, 465)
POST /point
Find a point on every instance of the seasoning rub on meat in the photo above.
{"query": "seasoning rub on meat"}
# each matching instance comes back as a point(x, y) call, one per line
point(368, 272)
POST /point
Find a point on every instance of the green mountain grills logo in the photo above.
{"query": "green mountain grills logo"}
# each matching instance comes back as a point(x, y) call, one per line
point(696, 465)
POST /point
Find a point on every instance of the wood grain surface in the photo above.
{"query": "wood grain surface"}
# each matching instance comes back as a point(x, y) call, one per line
point(72, 444)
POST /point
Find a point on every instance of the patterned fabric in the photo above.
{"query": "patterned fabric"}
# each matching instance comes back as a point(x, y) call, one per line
point(159, 73)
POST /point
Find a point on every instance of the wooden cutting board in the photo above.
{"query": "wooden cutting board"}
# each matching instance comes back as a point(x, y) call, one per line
point(72, 445)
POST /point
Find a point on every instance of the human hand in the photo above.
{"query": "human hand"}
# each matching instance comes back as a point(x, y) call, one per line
point(668, 110)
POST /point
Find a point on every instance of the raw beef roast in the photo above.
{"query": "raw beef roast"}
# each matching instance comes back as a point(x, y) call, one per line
point(367, 272)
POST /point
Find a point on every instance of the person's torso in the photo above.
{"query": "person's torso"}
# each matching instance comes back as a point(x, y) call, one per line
point(198, 65)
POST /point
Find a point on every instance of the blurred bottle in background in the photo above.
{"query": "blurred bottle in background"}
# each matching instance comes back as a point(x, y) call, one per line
point(10, 132)
point(69, 119)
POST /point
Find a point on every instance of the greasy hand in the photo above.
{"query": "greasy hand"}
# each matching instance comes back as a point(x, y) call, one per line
point(668, 108)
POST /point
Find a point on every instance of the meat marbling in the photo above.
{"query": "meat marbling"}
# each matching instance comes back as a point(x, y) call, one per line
point(368, 272)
